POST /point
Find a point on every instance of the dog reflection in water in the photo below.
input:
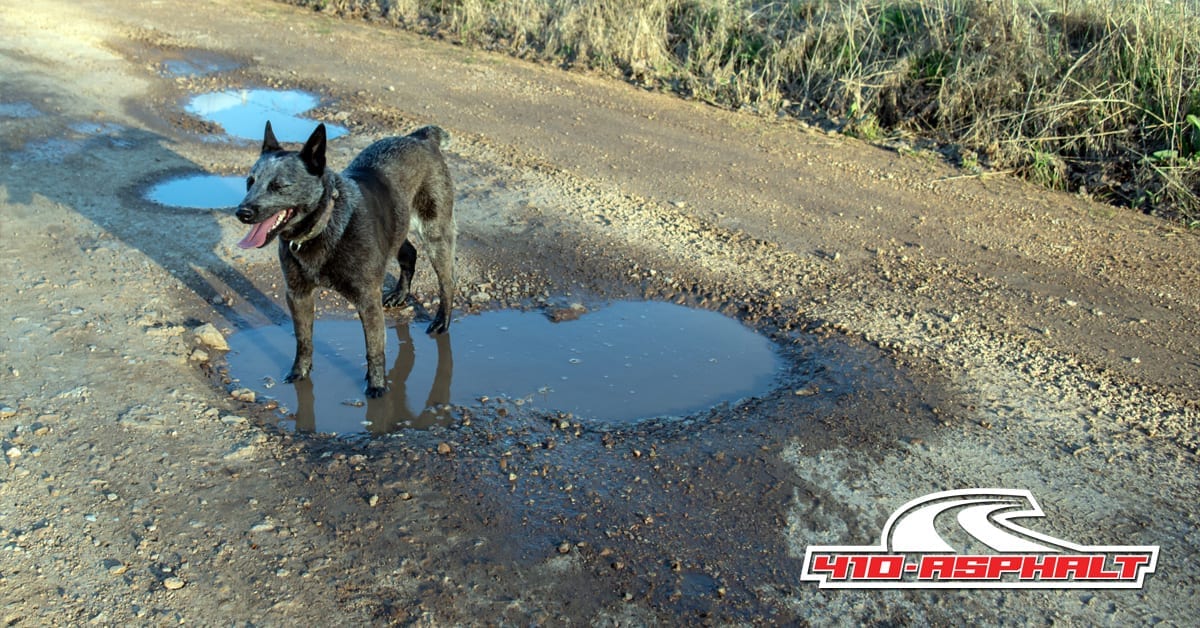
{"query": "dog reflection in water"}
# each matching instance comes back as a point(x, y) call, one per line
point(392, 411)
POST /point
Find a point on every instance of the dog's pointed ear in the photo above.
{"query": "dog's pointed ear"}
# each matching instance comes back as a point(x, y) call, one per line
point(270, 144)
point(313, 153)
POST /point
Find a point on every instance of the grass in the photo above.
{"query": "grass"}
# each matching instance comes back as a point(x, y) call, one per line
point(1095, 96)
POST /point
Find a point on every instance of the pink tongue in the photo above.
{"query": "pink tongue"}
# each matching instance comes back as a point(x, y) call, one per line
point(258, 234)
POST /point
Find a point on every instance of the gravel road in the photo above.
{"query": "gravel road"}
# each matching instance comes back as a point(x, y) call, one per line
point(940, 332)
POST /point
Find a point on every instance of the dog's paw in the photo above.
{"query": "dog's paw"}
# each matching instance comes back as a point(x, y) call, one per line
point(295, 375)
point(375, 392)
point(396, 299)
point(440, 325)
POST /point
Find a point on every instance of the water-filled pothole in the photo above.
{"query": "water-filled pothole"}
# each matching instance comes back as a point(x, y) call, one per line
point(617, 364)
point(244, 113)
point(198, 63)
point(199, 191)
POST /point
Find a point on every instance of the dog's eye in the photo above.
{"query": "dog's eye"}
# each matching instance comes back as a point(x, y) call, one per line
point(277, 185)
point(249, 182)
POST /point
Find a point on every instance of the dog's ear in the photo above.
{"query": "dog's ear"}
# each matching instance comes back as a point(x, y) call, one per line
point(270, 144)
point(313, 153)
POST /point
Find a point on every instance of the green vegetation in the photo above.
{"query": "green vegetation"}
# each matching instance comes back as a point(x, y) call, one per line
point(1101, 96)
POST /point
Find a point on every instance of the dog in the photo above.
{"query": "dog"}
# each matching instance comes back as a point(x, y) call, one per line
point(341, 230)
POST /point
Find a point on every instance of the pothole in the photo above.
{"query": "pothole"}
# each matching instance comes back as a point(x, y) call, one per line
point(618, 364)
point(18, 110)
point(198, 63)
point(199, 191)
point(244, 113)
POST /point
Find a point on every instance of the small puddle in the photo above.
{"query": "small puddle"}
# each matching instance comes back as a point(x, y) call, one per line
point(200, 191)
point(198, 64)
point(18, 110)
point(618, 364)
point(244, 113)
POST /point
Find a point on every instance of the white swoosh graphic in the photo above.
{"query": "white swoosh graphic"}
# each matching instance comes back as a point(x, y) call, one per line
point(976, 521)
point(985, 516)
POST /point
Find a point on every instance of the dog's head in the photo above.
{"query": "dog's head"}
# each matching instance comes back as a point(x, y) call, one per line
point(283, 188)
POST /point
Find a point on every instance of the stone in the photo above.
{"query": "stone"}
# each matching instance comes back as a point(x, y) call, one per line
point(211, 337)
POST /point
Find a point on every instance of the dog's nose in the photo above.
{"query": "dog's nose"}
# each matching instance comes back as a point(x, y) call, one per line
point(245, 214)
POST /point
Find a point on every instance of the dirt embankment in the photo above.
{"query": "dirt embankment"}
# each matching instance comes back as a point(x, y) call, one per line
point(940, 333)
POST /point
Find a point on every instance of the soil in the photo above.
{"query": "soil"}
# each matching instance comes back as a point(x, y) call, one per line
point(943, 331)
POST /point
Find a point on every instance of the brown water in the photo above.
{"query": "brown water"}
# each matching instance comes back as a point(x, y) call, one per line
point(617, 364)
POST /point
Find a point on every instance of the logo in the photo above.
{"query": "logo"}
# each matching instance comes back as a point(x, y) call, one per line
point(994, 552)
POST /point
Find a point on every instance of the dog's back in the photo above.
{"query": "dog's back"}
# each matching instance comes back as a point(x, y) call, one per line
point(405, 164)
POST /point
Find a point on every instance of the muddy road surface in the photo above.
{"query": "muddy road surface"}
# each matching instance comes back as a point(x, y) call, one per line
point(929, 332)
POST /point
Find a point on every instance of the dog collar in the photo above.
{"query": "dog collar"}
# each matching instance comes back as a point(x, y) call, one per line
point(318, 226)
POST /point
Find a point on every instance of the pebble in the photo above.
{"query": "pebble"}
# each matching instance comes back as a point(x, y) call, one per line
point(243, 394)
point(211, 337)
point(444, 448)
point(13, 452)
point(240, 451)
point(7, 412)
point(174, 583)
point(262, 526)
point(372, 500)
point(564, 548)
point(233, 419)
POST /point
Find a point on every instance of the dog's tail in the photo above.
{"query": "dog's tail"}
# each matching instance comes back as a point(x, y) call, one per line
point(432, 132)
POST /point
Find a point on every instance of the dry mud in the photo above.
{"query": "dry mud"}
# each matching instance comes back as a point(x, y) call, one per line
point(940, 332)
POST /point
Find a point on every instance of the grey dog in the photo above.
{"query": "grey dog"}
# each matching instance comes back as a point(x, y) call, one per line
point(341, 230)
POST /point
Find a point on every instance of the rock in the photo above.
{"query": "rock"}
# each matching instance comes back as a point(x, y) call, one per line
point(80, 393)
point(564, 548)
point(165, 331)
point(199, 355)
point(262, 526)
point(373, 500)
point(240, 451)
point(13, 452)
point(243, 394)
point(7, 412)
point(211, 337)
point(233, 419)
point(174, 583)
point(142, 416)
point(444, 449)
point(569, 313)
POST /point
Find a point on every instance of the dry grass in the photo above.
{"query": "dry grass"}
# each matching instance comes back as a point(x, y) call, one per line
point(1101, 96)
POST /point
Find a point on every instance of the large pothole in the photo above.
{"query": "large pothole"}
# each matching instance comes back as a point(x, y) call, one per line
point(625, 362)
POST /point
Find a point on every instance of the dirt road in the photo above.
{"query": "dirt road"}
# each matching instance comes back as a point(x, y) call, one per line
point(941, 332)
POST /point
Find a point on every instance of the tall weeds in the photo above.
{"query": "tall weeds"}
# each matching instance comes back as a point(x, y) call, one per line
point(1101, 96)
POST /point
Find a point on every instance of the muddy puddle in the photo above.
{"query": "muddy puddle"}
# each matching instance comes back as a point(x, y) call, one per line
point(244, 113)
point(198, 191)
point(197, 63)
point(18, 110)
point(616, 365)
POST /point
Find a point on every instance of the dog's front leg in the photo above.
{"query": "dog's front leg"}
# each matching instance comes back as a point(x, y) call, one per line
point(300, 302)
point(370, 312)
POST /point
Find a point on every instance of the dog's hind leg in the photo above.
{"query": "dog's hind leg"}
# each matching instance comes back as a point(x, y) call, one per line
point(408, 264)
point(300, 302)
point(370, 312)
point(440, 239)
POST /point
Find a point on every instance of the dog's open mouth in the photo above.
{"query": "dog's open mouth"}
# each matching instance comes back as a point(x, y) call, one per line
point(262, 232)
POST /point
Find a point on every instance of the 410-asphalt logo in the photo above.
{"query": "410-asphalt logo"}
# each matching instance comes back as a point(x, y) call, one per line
point(912, 554)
